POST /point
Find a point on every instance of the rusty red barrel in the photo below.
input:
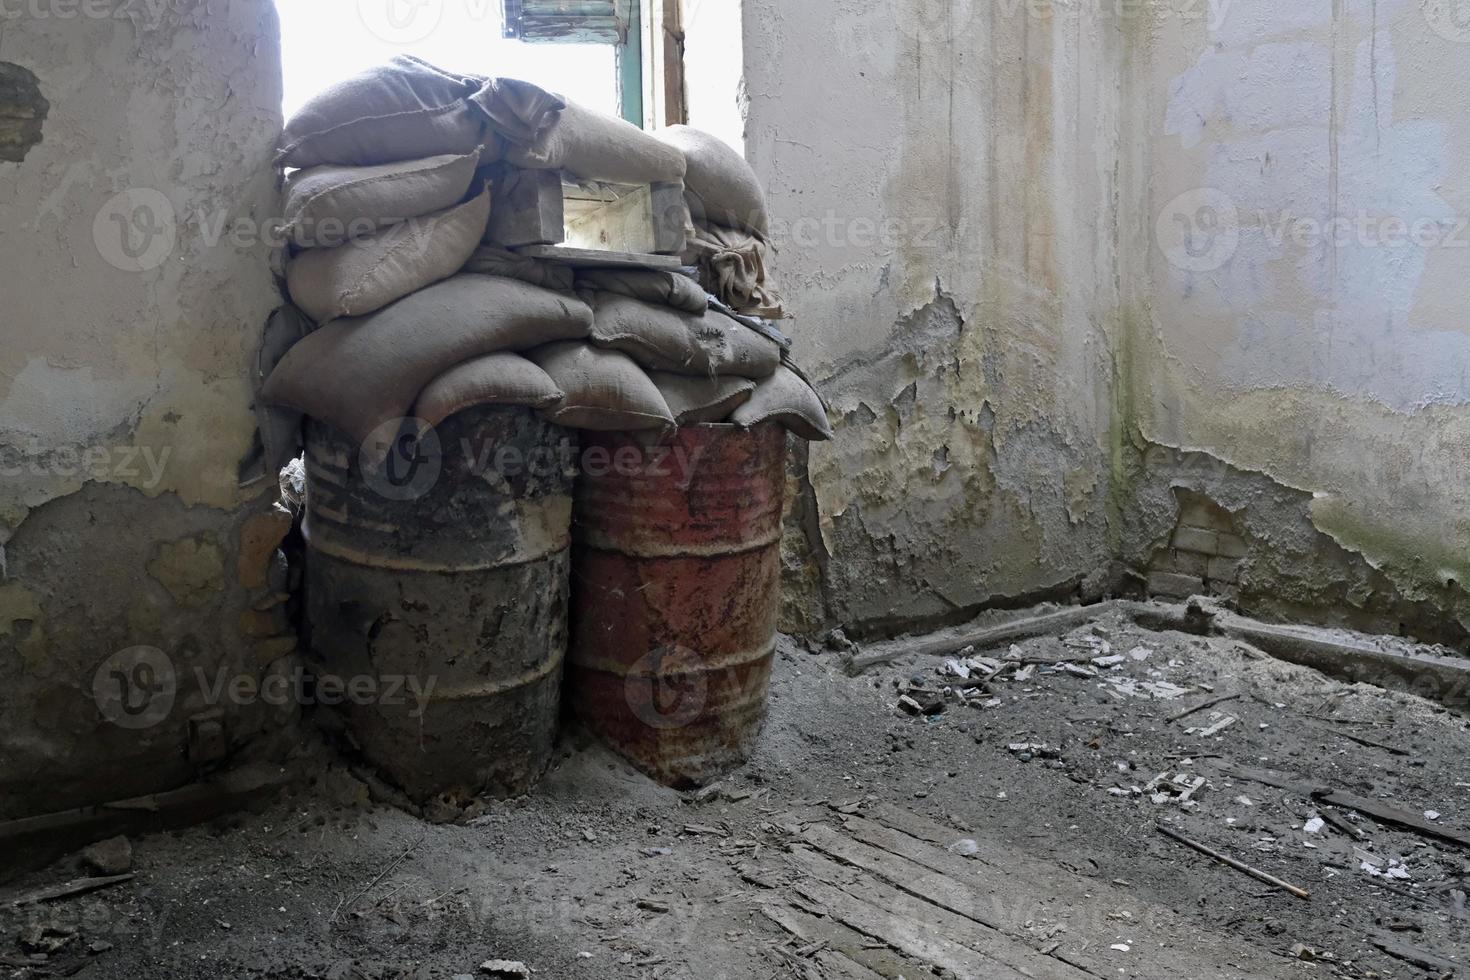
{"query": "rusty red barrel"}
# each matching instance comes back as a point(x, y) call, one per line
point(438, 583)
point(676, 574)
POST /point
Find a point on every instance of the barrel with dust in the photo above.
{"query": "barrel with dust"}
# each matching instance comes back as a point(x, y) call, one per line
point(437, 588)
point(676, 577)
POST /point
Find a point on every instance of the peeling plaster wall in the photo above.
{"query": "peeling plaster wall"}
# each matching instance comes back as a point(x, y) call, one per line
point(131, 318)
point(1303, 272)
point(943, 181)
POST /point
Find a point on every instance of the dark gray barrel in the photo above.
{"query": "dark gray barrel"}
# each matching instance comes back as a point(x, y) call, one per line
point(437, 585)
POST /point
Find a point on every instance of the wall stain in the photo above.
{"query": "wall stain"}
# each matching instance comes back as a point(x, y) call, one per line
point(23, 111)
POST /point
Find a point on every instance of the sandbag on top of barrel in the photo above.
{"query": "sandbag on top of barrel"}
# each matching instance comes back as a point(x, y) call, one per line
point(650, 285)
point(517, 110)
point(734, 266)
point(358, 374)
point(404, 110)
point(604, 389)
point(665, 339)
point(368, 273)
point(719, 184)
point(501, 378)
point(593, 146)
point(331, 199)
point(698, 400)
point(786, 397)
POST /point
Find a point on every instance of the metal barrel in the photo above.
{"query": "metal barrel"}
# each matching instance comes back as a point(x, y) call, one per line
point(438, 585)
point(676, 574)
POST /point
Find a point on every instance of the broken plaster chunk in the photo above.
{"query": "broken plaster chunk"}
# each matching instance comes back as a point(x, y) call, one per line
point(113, 856)
point(1214, 729)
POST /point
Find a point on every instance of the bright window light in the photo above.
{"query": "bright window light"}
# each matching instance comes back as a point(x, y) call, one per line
point(325, 41)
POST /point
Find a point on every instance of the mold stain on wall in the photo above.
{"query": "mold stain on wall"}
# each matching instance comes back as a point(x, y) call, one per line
point(23, 112)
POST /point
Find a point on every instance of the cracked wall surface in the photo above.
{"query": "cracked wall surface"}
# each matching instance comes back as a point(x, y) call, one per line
point(131, 319)
point(1033, 250)
point(942, 178)
point(1300, 276)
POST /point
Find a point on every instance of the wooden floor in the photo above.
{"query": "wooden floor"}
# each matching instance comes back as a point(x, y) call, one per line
point(869, 895)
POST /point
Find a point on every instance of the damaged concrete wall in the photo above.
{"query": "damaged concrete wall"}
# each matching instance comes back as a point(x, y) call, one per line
point(135, 568)
point(1300, 351)
point(942, 176)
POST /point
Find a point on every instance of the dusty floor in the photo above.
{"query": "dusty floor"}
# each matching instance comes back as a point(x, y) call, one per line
point(602, 874)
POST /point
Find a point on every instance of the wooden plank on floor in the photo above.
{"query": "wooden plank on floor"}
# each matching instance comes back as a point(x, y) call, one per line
point(931, 886)
point(913, 937)
point(874, 962)
point(901, 844)
point(1017, 888)
point(1014, 952)
point(912, 824)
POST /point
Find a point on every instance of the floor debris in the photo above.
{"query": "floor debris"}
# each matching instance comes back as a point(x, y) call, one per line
point(1256, 873)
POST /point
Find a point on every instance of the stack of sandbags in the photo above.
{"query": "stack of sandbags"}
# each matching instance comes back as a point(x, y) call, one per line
point(382, 200)
point(423, 314)
point(729, 228)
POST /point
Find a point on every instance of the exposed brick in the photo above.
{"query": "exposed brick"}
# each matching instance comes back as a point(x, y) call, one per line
point(1175, 585)
point(1223, 570)
point(1184, 562)
point(1232, 546)
point(272, 650)
point(259, 537)
point(1191, 563)
point(265, 622)
point(1197, 539)
point(1202, 513)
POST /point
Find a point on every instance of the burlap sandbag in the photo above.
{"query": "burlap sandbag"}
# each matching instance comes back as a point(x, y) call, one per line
point(665, 339)
point(404, 110)
point(784, 397)
point(336, 201)
point(694, 400)
point(359, 373)
point(604, 389)
point(502, 378)
point(369, 273)
point(280, 428)
point(719, 185)
point(735, 266)
point(516, 110)
point(492, 260)
point(649, 285)
point(593, 146)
